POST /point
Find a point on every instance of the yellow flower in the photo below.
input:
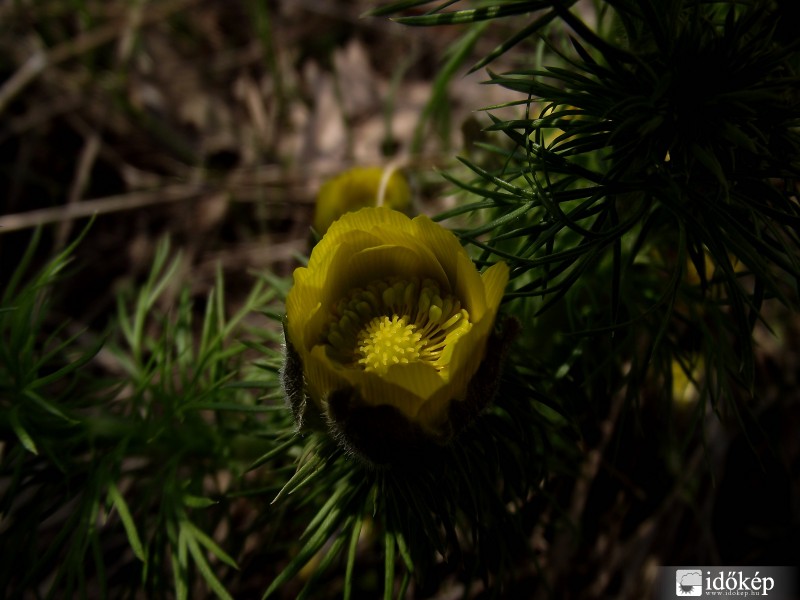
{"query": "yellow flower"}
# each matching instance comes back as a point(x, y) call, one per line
point(391, 312)
point(359, 187)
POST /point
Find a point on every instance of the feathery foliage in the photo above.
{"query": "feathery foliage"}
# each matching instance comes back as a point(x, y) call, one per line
point(656, 163)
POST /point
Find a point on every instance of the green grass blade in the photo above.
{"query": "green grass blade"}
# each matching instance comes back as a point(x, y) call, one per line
point(205, 569)
point(395, 7)
point(355, 534)
point(209, 544)
point(388, 566)
point(128, 523)
point(24, 437)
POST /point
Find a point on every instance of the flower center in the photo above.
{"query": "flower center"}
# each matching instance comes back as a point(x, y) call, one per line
point(388, 341)
point(394, 321)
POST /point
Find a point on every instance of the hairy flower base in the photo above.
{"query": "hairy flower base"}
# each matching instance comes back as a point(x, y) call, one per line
point(395, 321)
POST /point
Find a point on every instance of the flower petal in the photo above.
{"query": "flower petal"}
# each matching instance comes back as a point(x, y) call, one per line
point(468, 351)
point(469, 287)
point(365, 220)
point(443, 243)
point(301, 303)
point(495, 279)
point(406, 392)
point(406, 387)
point(357, 268)
point(324, 252)
point(322, 375)
point(435, 270)
point(420, 379)
point(433, 413)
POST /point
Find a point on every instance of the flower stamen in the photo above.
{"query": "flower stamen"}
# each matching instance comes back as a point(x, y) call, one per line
point(388, 341)
point(395, 321)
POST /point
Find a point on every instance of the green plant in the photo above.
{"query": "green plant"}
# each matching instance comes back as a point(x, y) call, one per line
point(108, 480)
point(654, 169)
point(643, 192)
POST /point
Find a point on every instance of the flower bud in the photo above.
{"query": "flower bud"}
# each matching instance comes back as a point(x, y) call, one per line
point(359, 187)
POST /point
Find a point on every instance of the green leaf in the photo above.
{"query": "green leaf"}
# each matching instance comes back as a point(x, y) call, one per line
point(74, 364)
point(191, 501)
point(355, 533)
point(119, 503)
point(388, 574)
point(302, 476)
point(49, 407)
point(11, 285)
point(233, 407)
point(710, 162)
point(333, 503)
point(331, 554)
point(203, 566)
point(24, 437)
point(522, 35)
point(209, 544)
point(404, 552)
point(266, 457)
point(395, 7)
point(502, 220)
point(306, 553)
point(180, 567)
point(439, 100)
point(460, 17)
